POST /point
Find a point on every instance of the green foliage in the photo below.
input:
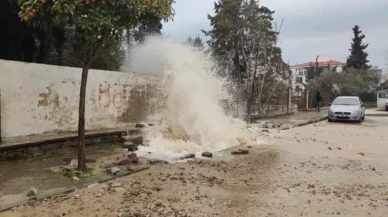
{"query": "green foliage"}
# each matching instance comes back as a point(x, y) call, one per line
point(86, 172)
point(112, 57)
point(17, 41)
point(243, 40)
point(150, 24)
point(360, 83)
point(196, 43)
point(241, 24)
point(47, 42)
point(358, 55)
point(95, 22)
point(224, 42)
point(112, 54)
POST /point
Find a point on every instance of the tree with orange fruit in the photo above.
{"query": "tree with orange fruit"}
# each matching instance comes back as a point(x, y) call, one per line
point(95, 23)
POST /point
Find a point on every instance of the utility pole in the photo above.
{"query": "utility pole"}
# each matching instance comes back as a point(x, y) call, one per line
point(289, 100)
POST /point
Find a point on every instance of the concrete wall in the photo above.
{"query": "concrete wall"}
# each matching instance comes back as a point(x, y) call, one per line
point(38, 98)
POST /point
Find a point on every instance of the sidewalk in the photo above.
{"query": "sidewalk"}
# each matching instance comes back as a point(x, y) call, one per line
point(33, 140)
point(375, 112)
point(298, 119)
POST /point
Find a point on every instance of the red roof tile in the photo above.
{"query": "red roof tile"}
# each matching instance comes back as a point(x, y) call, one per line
point(325, 63)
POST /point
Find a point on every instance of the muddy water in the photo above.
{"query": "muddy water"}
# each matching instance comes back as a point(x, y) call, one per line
point(17, 177)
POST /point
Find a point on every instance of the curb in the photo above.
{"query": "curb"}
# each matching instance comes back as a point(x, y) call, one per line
point(73, 188)
point(376, 115)
point(313, 121)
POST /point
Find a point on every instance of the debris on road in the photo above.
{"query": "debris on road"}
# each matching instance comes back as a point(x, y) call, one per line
point(136, 139)
point(32, 192)
point(207, 154)
point(114, 170)
point(240, 152)
point(130, 146)
point(188, 156)
point(73, 164)
point(140, 125)
point(133, 157)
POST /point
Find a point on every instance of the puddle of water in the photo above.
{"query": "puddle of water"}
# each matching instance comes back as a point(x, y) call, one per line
point(18, 177)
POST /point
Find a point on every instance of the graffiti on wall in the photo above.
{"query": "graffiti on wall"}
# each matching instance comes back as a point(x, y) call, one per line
point(106, 99)
point(51, 97)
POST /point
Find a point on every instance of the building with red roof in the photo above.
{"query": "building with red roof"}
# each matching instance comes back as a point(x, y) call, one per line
point(299, 71)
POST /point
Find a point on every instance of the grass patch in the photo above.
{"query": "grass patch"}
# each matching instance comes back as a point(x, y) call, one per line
point(88, 171)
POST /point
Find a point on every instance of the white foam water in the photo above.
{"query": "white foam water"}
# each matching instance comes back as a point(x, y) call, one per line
point(193, 119)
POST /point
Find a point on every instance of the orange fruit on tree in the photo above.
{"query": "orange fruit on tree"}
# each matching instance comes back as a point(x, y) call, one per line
point(43, 1)
point(32, 14)
point(155, 4)
point(33, 10)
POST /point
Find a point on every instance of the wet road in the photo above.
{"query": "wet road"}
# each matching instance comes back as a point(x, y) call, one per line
point(323, 169)
point(333, 169)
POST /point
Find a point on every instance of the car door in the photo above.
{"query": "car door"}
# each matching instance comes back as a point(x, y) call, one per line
point(381, 100)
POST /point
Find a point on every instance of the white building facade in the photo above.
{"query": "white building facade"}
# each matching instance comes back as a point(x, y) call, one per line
point(299, 71)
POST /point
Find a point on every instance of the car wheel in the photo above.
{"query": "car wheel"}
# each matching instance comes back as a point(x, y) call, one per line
point(363, 117)
point(359, 120)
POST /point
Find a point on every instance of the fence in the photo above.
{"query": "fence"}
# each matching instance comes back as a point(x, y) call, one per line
point(307, 99)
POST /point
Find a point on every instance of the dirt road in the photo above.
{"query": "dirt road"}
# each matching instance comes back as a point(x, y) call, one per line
point(325, 169)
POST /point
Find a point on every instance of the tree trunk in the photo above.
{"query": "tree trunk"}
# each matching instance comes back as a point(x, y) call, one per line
point(81, 119)
point(43, 47)
point(250, 99)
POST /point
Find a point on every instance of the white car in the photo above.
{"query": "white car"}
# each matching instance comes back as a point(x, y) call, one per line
point(346, 108)
point(382, 100)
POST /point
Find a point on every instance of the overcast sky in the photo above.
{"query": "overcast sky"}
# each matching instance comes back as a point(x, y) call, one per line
point(311, 27)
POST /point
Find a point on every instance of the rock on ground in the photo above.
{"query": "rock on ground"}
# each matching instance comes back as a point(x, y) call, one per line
point(32, 192)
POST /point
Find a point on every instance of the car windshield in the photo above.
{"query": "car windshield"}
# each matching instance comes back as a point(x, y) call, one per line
point(346, 101)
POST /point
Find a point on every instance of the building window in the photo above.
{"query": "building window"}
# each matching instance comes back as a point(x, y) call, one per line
point(302, 72)
point(299, 80)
